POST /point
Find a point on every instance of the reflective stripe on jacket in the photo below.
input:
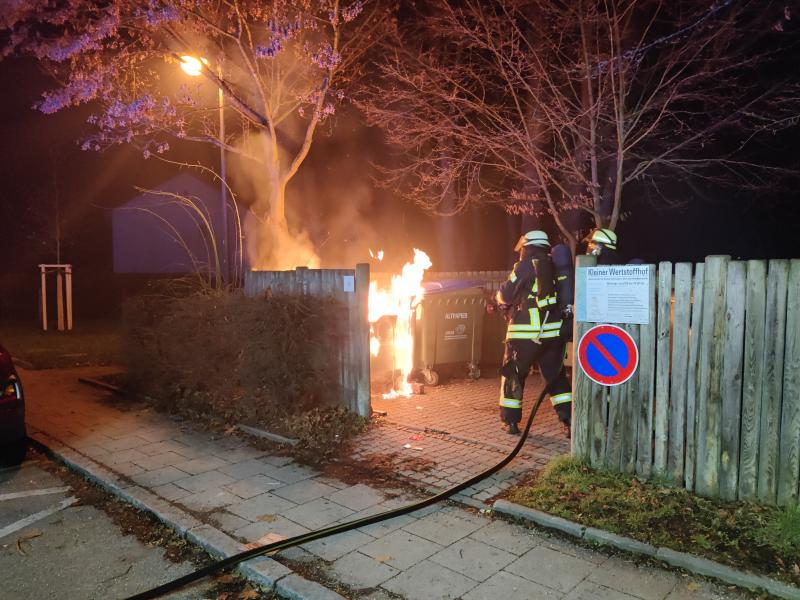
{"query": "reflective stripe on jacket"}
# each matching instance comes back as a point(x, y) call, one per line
point(534, 317)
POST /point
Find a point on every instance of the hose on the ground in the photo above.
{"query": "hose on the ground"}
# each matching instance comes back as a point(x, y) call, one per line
point(180, 582)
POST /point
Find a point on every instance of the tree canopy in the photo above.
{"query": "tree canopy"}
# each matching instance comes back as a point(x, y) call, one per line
point(547, 106)
point(282, 68)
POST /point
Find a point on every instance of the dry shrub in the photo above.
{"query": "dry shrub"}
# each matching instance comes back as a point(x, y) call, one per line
point(262, 361)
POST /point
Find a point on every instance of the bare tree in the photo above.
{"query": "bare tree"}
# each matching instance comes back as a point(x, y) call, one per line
point(546, 106)
point(280, 69)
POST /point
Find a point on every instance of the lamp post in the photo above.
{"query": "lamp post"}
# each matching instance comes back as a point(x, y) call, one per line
point(193, 67)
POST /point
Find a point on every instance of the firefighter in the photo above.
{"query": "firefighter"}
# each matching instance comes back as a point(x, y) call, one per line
point(529, 299)
point(602, 243)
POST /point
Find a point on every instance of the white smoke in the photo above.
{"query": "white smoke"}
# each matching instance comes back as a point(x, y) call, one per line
point(268, 245)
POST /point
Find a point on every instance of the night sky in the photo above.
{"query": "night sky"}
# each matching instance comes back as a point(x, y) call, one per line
point(40, 160)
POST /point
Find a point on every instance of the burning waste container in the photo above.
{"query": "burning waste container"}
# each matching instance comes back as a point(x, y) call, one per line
point(448, 330)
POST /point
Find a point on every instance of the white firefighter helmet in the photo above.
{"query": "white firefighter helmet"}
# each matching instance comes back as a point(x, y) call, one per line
point(532, 238)
point(604, 237)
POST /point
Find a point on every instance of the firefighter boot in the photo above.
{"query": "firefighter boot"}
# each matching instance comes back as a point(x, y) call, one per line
point(564, 412)
point(511, 394)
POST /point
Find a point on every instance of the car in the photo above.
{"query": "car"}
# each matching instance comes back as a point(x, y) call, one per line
point(13, 436)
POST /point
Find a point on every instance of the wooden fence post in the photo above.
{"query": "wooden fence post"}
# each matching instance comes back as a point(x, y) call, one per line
point(631, 414)
point(615, 402)
point(753, 379)
point(646, 382)
point(581, 385)
point(680, 364)
point(69, 297)
point(662, 367)
point(693, 377)
point(774, 339)
point(621, 439)
point(790, 413)
point(709, 401)
point(731, 387)
point(43, 296)
point(59, 299)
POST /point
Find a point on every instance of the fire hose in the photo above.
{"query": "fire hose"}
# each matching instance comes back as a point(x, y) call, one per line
point(203, 572)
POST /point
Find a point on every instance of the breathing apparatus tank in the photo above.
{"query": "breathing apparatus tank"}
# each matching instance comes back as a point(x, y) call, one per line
point(565, 278)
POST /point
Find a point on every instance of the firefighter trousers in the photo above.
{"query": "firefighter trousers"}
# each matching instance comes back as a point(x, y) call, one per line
point(519, 357)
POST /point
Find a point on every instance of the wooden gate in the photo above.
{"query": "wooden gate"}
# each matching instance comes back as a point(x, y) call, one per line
point(349, 287)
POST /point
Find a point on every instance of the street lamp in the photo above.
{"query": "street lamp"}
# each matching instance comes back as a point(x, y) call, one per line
point(193, 67)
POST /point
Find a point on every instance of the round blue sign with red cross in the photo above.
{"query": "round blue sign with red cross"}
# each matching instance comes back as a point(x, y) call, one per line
point(608, 355)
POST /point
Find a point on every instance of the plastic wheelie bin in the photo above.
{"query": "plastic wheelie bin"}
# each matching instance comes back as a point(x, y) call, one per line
point(448, 330)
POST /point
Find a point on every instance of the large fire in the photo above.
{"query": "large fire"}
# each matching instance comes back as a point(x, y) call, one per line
point(399, 301)
point(376, 255)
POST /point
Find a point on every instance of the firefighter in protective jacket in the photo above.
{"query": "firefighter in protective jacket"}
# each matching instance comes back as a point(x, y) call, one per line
point(602, 243)
point(530, 300)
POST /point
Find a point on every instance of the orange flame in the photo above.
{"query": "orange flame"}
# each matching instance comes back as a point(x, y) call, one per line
point(399, 301)
point(377, 255)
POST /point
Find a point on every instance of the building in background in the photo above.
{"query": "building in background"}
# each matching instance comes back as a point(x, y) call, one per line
point(174, 229)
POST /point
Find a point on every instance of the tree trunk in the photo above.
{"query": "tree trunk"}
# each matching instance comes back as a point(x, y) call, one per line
point(277, 206)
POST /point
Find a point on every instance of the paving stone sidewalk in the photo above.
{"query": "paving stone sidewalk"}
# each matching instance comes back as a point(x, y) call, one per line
point(455, 432)
point(442, 552)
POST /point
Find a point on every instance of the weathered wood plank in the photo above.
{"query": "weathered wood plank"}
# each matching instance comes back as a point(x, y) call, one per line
point(315, 287)
point(662, 367)
point(752, 381)
point(680, 363)
point(790, 413)
point(709, 401)
point(774, 341)
point(613, 454)
point(599, 416)
point(693, 377)
point(630, 414)
point(581, 385)
point(646, 375)
point(349, 352)
point(733, 352)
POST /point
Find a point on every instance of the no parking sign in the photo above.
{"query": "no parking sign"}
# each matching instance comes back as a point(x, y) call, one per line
point(608, 355)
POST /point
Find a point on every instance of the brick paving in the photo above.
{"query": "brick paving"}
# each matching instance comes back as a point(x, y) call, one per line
point(441, 552)
point(455, 429)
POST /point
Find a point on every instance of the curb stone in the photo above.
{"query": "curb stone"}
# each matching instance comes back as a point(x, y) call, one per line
point(600, 536)
point(268, 435)
point(468, 501)
point(295, 587)
point(728, 574)
point(109, 387)
point(689, 562)
point(550, 521)
point(262, 571)
point(25, 364)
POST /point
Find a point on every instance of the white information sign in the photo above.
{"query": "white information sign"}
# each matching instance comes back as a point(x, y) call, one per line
point(349, 283)
point(613, 294)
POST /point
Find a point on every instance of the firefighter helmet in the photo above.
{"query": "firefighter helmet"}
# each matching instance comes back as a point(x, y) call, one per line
point(604, 237)
point(532, 238)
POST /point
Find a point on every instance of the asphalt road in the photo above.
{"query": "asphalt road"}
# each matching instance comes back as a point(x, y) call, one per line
point(63, 544)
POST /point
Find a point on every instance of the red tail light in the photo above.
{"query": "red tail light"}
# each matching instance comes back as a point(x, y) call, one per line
point(10, 391)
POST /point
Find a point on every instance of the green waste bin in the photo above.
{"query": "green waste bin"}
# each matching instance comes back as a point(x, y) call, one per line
point(494, 339)
point(448, 330)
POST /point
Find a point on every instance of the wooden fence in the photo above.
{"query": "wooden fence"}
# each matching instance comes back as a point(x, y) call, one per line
point(351, 288)
point(715, 403)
